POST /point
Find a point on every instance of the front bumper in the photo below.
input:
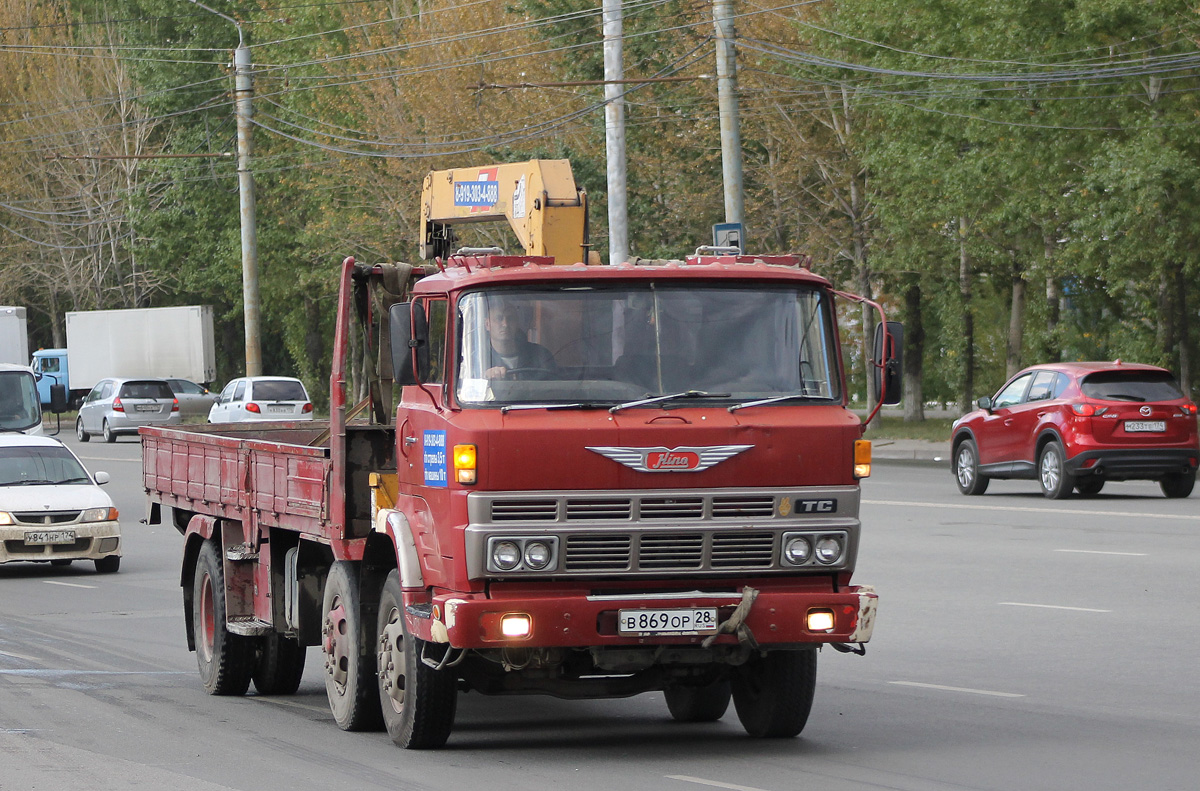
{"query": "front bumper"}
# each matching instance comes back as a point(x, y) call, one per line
point(1133, 464)
point(576, 619)
point(93, 540)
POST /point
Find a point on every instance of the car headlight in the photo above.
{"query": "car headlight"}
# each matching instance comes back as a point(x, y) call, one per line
point(537, 555)
point(797, 550)
point(829, 549)
point(506, 555)
point(98, 515)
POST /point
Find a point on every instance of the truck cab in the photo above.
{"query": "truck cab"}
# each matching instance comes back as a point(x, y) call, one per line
point(50, 367)
point(20, 409)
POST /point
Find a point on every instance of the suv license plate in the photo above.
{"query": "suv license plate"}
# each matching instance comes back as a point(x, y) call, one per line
point(693, 620)
point(1145, 425)
point(50, 537)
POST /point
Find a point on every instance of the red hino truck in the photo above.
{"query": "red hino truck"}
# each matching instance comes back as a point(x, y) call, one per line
point(596, 481)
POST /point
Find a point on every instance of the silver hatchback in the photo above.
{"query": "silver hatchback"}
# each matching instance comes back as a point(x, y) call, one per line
point(122, 406)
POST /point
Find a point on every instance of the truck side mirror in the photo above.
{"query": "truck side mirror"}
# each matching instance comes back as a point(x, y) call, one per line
point(887, 373)
point(58, 399)
point(410, 342)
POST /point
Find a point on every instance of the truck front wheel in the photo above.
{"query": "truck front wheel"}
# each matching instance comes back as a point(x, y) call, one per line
point(349, 680)
point(698, 704)
point(223, 658)
point(418, 701)
point(774, 693)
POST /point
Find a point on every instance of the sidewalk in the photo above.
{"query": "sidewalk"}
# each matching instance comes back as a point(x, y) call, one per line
point(910, 449)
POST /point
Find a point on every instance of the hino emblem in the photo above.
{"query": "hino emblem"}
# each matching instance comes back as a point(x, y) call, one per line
point(670, 459)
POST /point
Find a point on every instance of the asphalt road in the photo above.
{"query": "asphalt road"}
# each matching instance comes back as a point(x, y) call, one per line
point(1022, 644)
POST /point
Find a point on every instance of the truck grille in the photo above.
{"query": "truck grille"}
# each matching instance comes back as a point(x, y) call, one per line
point(610, 508)
point(675, 551)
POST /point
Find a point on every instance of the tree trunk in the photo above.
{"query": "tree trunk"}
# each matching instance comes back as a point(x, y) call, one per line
point(914, 353)
point(967, 397)
point(1016, 320)
point(1166, 332)
point(1185, 339)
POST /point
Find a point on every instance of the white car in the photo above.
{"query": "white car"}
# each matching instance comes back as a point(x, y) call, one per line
point(256, 398)
point(51, 509)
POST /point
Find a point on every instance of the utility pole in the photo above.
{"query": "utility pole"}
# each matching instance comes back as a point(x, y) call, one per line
point(243, 93)
point(614, 132)
point(727, 102)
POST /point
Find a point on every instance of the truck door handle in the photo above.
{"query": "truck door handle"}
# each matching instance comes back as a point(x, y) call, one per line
point(409, 440)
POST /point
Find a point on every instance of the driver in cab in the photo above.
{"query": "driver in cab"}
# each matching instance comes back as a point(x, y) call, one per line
point(510, 350)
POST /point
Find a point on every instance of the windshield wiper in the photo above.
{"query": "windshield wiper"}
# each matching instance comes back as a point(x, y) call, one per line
point(31, 483)
point(76, 480)
point(772, 400)
point(668, 397)
point(582, 405)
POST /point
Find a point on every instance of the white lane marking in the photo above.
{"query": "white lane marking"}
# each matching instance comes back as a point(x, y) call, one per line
point(713, 783)
point(1052, 606)
point(1101, 552)
point(18, 656)
point(1006, 508)
point(957, 689)
point(55, 672)
point(69, 584)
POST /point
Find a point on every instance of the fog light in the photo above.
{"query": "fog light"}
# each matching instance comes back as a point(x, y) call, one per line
point(517, 625)
point(820, 621)
point(829, 549)
point(506, 555)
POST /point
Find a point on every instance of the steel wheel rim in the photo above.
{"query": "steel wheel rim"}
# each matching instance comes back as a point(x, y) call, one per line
point(337, 659)
point(966, 468)
point(1050, 475)
point(393, 665)
point(208, 620)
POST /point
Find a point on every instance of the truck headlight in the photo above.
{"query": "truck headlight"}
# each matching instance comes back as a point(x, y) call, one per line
point(829, 549)
point(796, 550)
point(506, 555)
point(537, 555)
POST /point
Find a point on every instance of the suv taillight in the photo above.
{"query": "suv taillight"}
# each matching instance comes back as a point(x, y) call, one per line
point(1188, 409)
point(1087, 410)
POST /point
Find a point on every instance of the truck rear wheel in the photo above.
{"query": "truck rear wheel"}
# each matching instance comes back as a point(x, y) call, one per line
point(347, 638)
point(280, 665)
point(773, 694)
point(223, 658)
point(699, 704)
point(418, 701)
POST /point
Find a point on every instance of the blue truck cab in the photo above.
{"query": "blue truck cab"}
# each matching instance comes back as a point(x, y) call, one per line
point(50, 367)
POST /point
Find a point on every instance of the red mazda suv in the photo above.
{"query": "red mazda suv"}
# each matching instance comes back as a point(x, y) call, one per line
point(1077, 425)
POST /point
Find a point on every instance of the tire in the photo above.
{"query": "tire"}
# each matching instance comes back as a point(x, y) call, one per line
point(418, 702)
point(699, 704)
point(1089, 487)
point(966, 469)
point(1179, 484)
point(348, 639)
point(109, 436)
point(110, 564)
point(280, 665)
point(224, 659)
point(1056, 482)
point(80, 434)
point(773, 694)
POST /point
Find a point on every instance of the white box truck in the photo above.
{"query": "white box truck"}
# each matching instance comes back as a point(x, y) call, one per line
point(153, 342)
point(14, 336)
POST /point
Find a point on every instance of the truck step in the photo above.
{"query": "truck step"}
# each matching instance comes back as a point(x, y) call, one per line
point(249, 626)
point(241, 552)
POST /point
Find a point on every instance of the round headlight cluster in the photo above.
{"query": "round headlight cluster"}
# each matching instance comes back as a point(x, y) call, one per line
point(521, 554)
point(812, 548)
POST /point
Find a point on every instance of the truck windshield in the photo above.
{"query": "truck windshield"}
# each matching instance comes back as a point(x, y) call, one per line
point(20, 408)
point(611, 345)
